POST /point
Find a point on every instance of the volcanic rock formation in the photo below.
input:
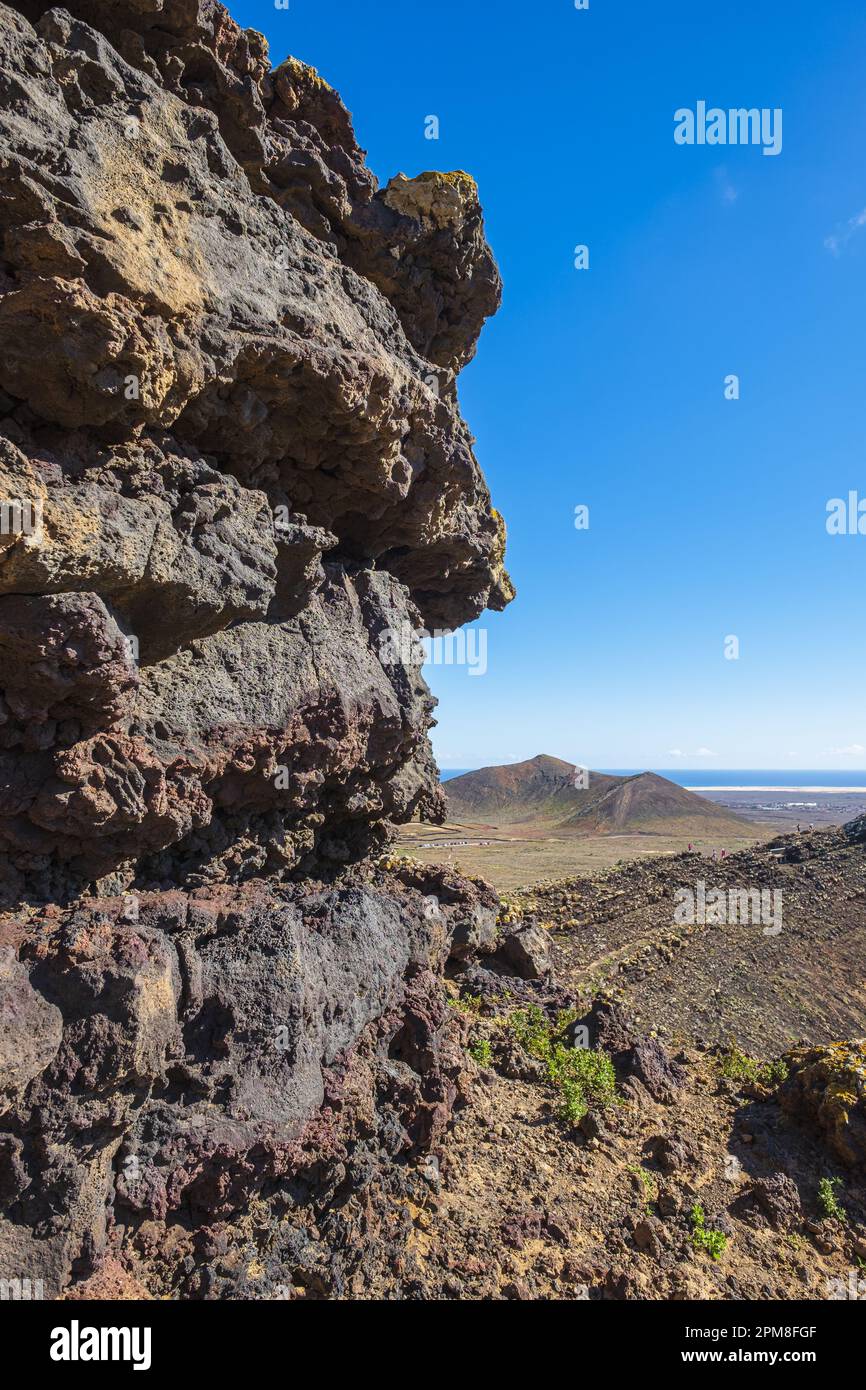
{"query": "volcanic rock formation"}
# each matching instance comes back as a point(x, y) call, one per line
point(232, 466)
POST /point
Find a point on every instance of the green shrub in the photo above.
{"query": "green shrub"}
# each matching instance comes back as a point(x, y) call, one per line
point(828, 1201)
point(648, 1182)
point(774, 1073)
point(481, 1052)
point(582, 1077)
point(737, 1066)
point(713, 1242)
point(468, 1004)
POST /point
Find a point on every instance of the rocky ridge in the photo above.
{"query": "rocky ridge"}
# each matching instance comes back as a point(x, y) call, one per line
point(644, 1121)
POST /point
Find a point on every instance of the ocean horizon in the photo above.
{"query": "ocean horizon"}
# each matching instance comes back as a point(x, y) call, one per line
point(805, 779)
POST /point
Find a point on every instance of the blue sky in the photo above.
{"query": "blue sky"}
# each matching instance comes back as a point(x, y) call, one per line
point(606, 387)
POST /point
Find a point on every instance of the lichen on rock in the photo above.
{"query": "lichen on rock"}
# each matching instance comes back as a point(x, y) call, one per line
point(827, 1087)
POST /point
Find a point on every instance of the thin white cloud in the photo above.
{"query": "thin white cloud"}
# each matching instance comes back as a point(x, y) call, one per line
point(698, 753)
point(727, 191)
point(837, 241)
point(854, 750)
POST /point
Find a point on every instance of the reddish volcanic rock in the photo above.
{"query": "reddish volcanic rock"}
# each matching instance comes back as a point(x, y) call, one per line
point(233, 477)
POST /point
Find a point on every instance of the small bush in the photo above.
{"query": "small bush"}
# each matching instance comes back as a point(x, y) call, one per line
point(481, 1052)
point(828, 1201)
point(737, 1066)
point(648, 1182)
point(714, 1243)
point(468, 1004)
point(582, 1077)
point(773, 1073)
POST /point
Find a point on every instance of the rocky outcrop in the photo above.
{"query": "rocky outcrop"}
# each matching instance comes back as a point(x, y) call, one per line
point(826, 1086)
point(189, 1058)
point(234, 481)
point(241, 427)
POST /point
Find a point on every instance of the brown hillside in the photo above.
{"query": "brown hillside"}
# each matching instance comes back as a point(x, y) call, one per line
point(543, 789)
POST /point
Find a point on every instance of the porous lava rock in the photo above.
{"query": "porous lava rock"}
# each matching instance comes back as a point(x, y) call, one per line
point(235, 485)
